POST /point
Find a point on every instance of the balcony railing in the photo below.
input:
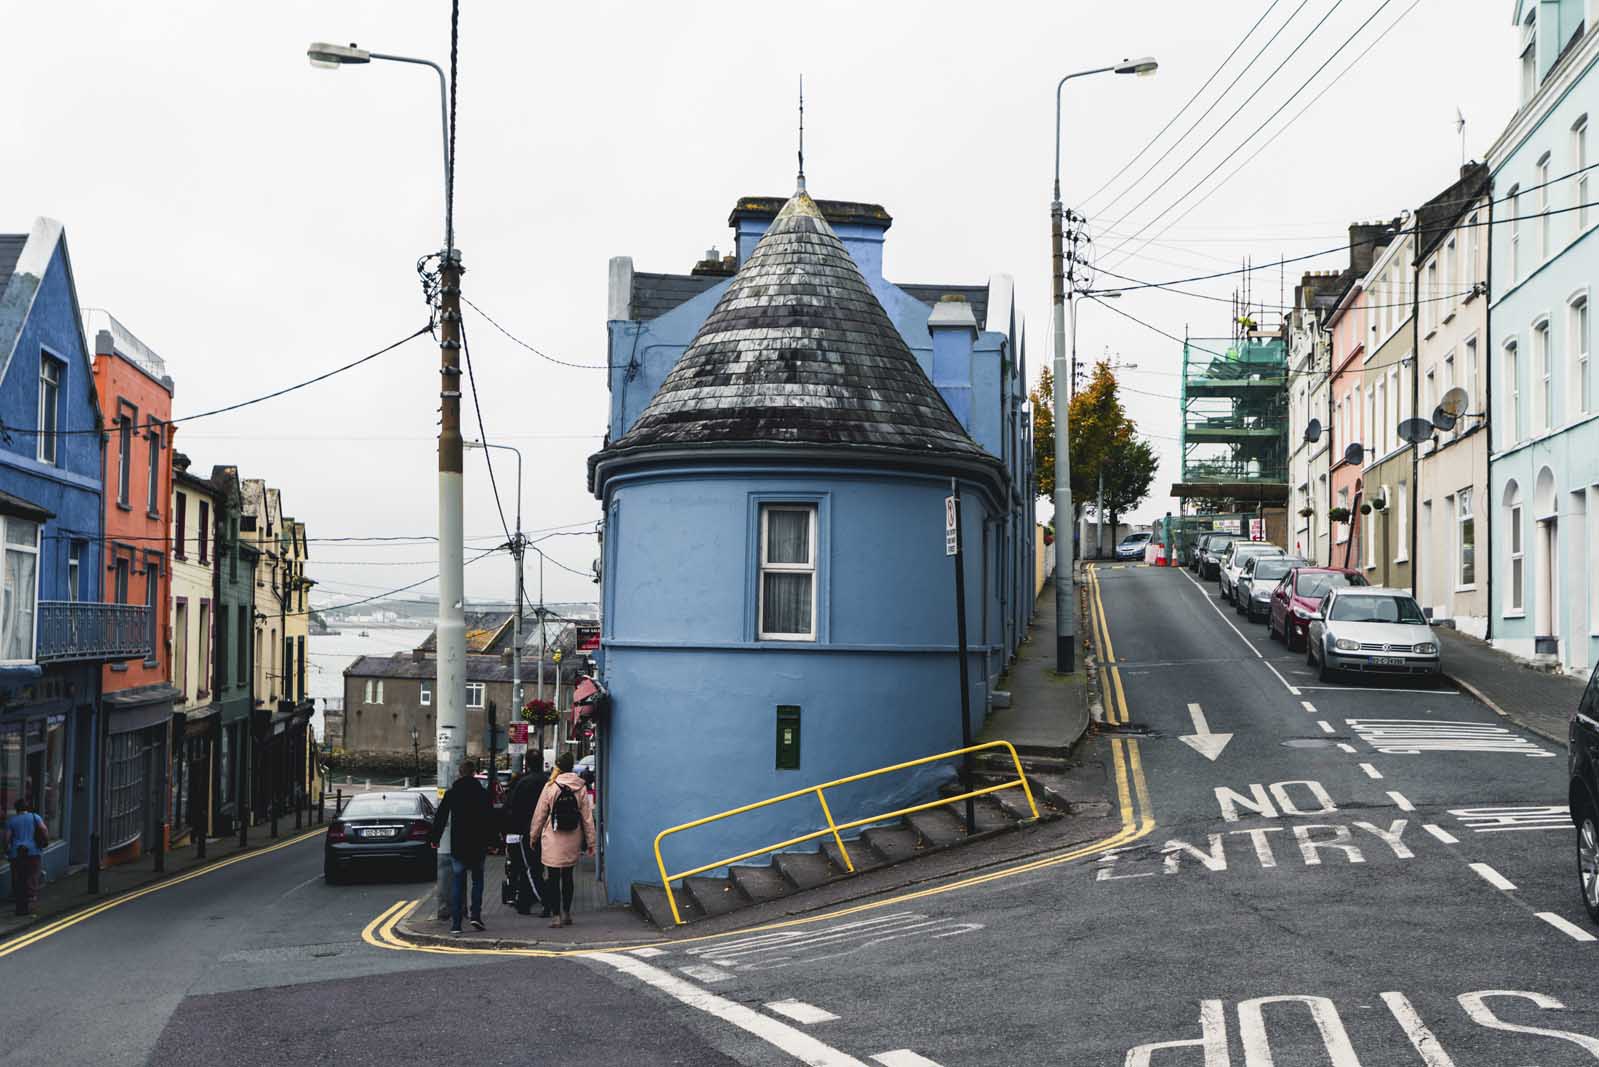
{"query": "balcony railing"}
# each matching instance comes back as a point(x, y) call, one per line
point(70, 630)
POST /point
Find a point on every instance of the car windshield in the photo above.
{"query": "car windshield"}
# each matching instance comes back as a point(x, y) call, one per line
point(383, 806)
point(1315, 586)
point(1133, 539)
point(1272, 568)
point(1244, 553)
point(1378, 609)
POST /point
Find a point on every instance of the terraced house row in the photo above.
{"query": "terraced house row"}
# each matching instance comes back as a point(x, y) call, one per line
point(1444, 430)
point(154, 619)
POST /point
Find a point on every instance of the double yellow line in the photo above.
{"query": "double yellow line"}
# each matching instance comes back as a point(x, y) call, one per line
point(50, 929)
point(1132, 794)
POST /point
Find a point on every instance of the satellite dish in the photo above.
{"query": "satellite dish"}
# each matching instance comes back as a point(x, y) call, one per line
point(1355, 453)
point(1442, 420)
point(1454, 402)
point(1313, 431)
point(1415, 431)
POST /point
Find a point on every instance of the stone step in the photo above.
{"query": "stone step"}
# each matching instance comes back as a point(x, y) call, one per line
point(760, 884)
point(990, 815)
point(938, 827)
point(805, 870)
point(649, 900)
point(715, 896)
point(892, 843)
point(860, 855)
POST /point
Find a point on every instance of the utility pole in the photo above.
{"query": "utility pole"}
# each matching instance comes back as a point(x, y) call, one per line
point(451, 639)
point(544, 633)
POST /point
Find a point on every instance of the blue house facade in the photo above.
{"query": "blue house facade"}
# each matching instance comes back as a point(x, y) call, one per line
point(54, 634)
point(778, 607)
point(1544, 403)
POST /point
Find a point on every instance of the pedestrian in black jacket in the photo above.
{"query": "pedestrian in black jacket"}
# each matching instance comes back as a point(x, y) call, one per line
point(526, 864)
point(470, 816)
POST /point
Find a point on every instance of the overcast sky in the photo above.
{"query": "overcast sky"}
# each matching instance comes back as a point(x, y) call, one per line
point(256, 221)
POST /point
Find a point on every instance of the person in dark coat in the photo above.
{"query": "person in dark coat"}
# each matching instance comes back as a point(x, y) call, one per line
point(467, 811)
point(527, 865)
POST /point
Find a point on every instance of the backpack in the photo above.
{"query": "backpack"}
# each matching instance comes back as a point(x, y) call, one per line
point(565, 811)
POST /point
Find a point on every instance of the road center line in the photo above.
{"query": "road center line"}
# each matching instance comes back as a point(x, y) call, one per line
point(1326, 727)
point(779, 1035)
point(1309, 706)
point(1343, 747)
point(1440, 833)
point(1400, 801)
point(1493, 877)
point(903, 1057)
point(1371, 772)
point(1250, 644)
point(1570, 929)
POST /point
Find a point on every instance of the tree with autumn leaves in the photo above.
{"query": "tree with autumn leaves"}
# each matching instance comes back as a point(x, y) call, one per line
point(1103, 439)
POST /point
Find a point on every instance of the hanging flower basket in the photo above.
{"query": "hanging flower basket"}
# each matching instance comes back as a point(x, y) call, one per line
point(1365, 509)
point(540, 712)
point(1305, 513)
point(1339, 514)
point(1378, 503)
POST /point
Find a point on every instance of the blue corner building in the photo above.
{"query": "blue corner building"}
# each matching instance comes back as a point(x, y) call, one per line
point(779, 609)
point(55, 635)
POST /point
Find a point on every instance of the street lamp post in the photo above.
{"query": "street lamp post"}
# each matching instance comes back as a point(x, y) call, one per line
point(451, 635)
point(1065, 609)
point(416, 756)
point(518, 547)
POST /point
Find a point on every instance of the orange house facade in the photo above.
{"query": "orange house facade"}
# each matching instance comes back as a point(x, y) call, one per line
point(135, 396)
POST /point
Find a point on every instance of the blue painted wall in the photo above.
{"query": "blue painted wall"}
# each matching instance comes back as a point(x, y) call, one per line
point(43, 316)
point(693, 725)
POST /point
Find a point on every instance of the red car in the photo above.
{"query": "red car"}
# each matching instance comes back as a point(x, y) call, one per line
point(1299, 595)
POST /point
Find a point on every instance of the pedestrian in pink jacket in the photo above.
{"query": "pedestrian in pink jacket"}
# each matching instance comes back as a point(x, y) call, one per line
point(564, 824)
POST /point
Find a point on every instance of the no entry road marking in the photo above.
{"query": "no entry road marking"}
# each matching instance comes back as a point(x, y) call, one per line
point(1521, 817)
point(1440, 833)
point(1400, 801)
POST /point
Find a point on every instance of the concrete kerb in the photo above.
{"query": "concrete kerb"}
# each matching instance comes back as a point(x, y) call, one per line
point(1483, 699)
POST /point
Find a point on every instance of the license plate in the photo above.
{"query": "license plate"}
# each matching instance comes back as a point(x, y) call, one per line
point(1388, 661)
point(381, 831)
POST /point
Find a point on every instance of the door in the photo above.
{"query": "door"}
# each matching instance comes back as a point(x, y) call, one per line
point(1544, 575)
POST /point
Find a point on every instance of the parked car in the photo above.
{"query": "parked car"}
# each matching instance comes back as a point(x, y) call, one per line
point(1132, 546)
point(1371, 629)
point(1232, 563)
point(1260, 576)
point(377, 829)
point(1298, 597)
point(1208, 558)
point(1582, 755)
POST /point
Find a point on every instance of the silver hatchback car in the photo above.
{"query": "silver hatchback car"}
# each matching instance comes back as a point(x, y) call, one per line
point(1371, 629)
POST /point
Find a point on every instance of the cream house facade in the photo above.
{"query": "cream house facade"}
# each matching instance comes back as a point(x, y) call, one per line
point(194, 511)
point(1451, 353)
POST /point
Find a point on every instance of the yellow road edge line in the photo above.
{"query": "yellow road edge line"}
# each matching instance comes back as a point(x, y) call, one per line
point(73, 919)
point(1101, 623)
point(381, 931)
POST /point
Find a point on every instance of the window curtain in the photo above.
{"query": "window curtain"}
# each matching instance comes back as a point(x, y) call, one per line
point(21, 590)
point(788, 535)
point(787, 602)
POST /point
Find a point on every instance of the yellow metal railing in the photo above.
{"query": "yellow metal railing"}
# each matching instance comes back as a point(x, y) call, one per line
point(835, 829)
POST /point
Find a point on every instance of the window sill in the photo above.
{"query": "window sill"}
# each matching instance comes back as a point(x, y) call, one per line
point(1472, 588)
point(124, 505)
point(153, 514)
point(1430, 334)
point(1514, 615)
point(119, 667)
point(1470, 296)
point(152, 663)
point(1447, 319)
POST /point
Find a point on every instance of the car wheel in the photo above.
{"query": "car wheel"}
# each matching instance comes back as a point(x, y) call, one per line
point(1324, 673)
point(1271, 629)
point(1253, 615)
point(1588, 863)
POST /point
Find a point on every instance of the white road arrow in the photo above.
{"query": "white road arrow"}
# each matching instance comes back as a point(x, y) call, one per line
point(1202, 740)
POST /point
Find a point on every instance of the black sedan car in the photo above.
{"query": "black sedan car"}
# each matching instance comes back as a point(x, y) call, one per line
point(1583, 755)
point(381, 830)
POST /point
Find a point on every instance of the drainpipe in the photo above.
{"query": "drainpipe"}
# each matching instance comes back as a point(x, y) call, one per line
point(1487, 352)
point(1415, 402)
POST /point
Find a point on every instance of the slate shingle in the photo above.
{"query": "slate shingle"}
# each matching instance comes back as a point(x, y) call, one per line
point(798, 350)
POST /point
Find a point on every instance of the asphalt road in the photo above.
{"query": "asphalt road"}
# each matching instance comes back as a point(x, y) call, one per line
point(1325, 891)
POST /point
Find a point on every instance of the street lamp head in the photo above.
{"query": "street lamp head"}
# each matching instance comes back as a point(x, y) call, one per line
point(469, 443)
point(1143, 66)
point(329, 56)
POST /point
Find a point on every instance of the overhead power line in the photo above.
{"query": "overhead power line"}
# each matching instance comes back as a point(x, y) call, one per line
point(1283, 63)
point(1277, 111)
point(542, 355)
point(483, 435)
point(1191, 101)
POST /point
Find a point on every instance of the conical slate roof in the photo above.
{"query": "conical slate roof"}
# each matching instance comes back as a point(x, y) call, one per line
point(799, 351)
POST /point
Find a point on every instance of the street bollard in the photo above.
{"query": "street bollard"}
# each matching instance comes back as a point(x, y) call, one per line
point(161, 849)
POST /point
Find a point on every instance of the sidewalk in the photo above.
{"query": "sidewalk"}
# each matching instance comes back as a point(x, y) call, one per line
point(70, 892)
point(1048, 712)
point(1536, 699)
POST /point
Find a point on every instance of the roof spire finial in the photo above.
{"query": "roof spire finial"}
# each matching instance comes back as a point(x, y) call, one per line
point(801, 184)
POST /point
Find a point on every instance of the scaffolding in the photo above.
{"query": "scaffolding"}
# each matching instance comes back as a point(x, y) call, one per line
point(1235, 421)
